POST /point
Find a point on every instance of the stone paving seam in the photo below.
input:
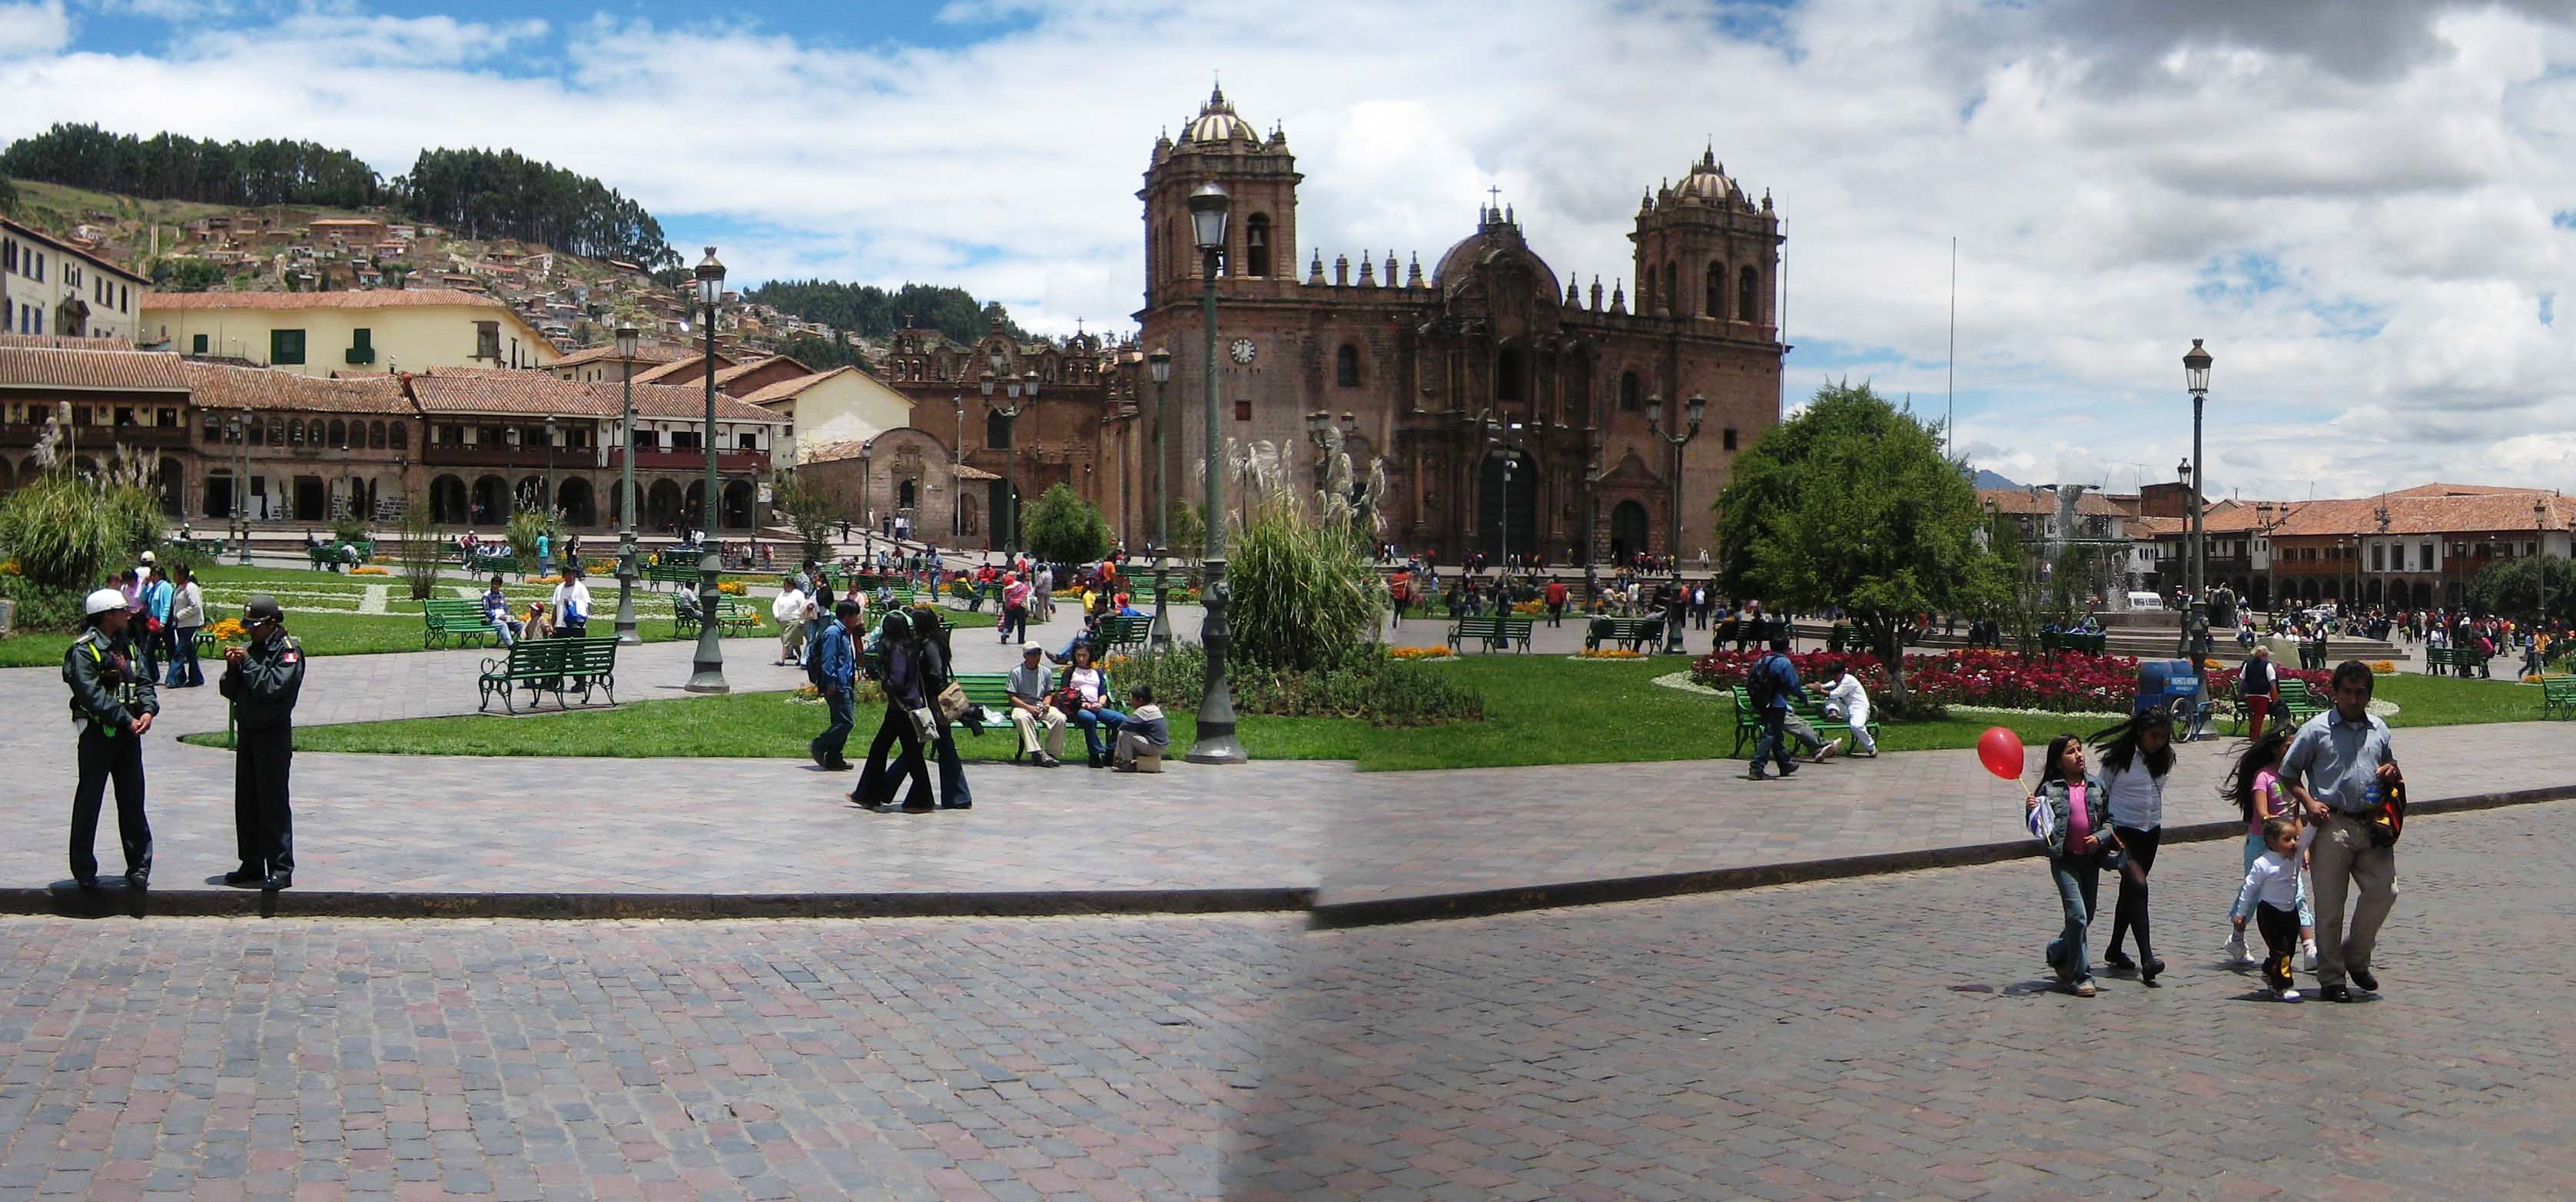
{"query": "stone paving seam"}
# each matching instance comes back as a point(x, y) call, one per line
point(112, 901)
point(1427, 907)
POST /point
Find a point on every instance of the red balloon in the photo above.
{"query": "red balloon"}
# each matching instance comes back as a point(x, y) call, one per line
point(1999, 749)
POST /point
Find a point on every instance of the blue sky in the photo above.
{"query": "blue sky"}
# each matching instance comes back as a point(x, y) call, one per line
point(2360, 204)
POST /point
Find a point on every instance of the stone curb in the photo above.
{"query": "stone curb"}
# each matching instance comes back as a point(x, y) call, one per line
point(1481, 903)
point(115, 901)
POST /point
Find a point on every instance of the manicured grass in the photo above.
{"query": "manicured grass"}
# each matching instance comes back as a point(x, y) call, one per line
point(1539, 710)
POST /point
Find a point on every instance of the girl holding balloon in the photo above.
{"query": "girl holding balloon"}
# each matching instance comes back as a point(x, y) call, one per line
point(2071, 813)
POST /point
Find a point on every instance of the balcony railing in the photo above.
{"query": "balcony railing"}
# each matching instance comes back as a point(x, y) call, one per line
point(692, 460)
point(485, 456)
point(25, 434)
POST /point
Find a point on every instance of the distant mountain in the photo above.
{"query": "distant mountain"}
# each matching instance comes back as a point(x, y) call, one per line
point(1987, 479)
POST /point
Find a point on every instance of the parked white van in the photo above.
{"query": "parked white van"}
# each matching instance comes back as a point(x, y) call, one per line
point(2146, 601)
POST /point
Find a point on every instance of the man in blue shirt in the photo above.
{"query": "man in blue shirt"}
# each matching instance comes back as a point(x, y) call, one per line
point(836, 666)
point(2338, 767)
point(1772, 681)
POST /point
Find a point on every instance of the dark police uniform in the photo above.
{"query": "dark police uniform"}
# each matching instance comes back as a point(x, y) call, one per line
point(263, 687)
point(109, 691)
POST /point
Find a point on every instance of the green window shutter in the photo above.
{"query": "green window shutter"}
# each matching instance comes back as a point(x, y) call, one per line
point(286, 346)
point(199, 345)
point(362, 347)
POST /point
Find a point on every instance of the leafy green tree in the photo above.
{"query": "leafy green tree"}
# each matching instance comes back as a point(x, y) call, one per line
point(868, 310)
point(1853, 504)
point(8, 195)
point(822, 354)
point(170, 167)
point(185, 275)
point(1064, 528)
point(2513, 587)
point(810, 510)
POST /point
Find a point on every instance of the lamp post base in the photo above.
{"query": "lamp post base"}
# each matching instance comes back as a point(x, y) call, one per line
point(1216, 742)
point(1159, 636)
point(707, 667)
point(627, 634)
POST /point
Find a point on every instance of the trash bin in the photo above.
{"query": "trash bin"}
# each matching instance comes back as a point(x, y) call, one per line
point(2173, 683)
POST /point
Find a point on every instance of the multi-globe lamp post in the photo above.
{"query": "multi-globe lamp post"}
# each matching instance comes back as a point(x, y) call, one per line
point(1158, 362)
point(627, 340)
point(1216, 742)
point(707, 667)
point(2195, 371)
point(1693, 410)
point(1009, 410)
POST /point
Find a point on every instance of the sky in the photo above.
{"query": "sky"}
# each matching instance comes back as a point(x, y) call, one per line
point(2366, 208)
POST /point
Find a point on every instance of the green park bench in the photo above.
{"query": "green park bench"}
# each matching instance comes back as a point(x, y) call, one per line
point(457, 618)
point(556, 666)
point(503, 564)
point(1748, 720)
point(1123, 632)
point(2299, 702)
point(2088, 643)
point(334, 557)
point(732, 617)
point(992, 690)
point(1492, 632)
point(1634, 633)
point(2463, 660)
point(2558, 696)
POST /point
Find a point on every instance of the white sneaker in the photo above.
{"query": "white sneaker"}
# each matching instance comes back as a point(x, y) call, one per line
point(2308, 954)
point(2288, 995)
point(2235, 951)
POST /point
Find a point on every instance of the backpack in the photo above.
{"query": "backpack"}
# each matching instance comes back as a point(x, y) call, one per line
point(1763, 682)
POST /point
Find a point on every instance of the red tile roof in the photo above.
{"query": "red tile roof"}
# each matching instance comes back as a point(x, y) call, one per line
point(533, 394)
point(645, 353)
point(364, 298)
point(2022, 502)
point(787, 388)
point(56, 367)
point(65, 342)
point(219, 386)
point(694, 366)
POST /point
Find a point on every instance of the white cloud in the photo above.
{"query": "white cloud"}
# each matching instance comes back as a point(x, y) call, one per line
point(2353, 202)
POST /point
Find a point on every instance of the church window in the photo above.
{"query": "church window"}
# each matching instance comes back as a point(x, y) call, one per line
point(1717, 291)
point(1346, 366)
point(1243, 411)
point(1507, 376)
point(1730, 438)
point(1256, 244)
point(1628, 392)
point(1748, 296)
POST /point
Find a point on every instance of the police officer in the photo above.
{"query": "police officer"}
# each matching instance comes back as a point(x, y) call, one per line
point(263, 680)
point(112, 703)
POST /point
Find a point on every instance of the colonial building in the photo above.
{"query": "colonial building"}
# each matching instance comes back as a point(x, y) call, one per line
point(2412, 548)
point(1076, 429)
point(50, 286)
point(320, 333)
point(1514, 408)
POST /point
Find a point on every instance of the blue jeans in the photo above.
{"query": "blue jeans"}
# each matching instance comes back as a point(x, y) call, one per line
point(2078, 880)
point(1091, 721)
point(833, 743)
point(1774, 745)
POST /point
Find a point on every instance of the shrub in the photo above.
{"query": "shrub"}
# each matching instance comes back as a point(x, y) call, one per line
point(1370, 684)
point(1064, 528)
point(42, 608)
point(1302, 594)
point(422, 553)
point(66, 532)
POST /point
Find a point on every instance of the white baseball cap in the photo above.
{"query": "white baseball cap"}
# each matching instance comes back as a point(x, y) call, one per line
point(102, 601)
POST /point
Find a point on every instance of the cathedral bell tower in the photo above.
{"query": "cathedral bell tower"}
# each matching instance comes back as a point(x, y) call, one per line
point(1706, 253)
point(1259, 176)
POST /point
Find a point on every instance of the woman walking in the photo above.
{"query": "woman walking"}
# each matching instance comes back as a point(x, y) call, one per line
point(904, 699)
point(187, 617)
point(2136, 756)
point(936, 675)
point(2080, 845)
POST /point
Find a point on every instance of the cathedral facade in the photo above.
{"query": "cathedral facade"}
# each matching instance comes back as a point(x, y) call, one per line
point(1513, 410)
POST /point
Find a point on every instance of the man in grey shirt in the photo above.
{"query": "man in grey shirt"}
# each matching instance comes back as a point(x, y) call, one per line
point(1030, 712)
point(2337, 766)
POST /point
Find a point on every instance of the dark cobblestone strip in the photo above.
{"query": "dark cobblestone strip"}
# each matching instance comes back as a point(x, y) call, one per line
point(67, 902)
point(1484, 902)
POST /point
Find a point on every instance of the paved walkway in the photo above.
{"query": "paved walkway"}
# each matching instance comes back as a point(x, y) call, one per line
point(1888, 1037)
point(481, 825)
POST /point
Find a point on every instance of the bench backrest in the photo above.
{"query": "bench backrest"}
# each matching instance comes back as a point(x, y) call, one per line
point(452, 609)
point(989, 689)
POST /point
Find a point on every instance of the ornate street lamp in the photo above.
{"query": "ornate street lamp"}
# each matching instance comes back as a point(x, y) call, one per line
point(1216, 742)
point(2540, 549)
point(1159, 363)
point(2195, 372)
point(707, 668)
point(627, 339)
point(1693, 410)
point(1009, 410)
point(241, 483)
point(554, 537)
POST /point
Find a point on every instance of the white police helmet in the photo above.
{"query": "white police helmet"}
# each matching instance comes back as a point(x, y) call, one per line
point(102, 601)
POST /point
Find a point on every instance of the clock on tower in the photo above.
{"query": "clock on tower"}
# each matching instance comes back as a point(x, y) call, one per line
point(1243, 351)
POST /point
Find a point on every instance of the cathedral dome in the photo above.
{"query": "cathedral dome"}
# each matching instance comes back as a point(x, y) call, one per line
point(1497, 238)
point(1707, 183)
point(1217, 122)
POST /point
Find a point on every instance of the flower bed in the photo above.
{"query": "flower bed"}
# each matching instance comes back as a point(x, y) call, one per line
point(1609, 653)
point(1421, 653)
point(370, 570)
point(2053, 682)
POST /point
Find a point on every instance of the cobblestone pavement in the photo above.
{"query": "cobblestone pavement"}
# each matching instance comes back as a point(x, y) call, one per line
point(1896, 1037)
point(1889, 1037)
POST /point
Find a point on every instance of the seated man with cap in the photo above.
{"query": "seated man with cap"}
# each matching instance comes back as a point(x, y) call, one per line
point(1031, 713)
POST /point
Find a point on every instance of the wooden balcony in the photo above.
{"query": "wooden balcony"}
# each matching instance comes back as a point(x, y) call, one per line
point(727, 462)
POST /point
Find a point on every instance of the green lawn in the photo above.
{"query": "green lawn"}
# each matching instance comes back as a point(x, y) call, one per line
point(1539, 710)
point(321, 609)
